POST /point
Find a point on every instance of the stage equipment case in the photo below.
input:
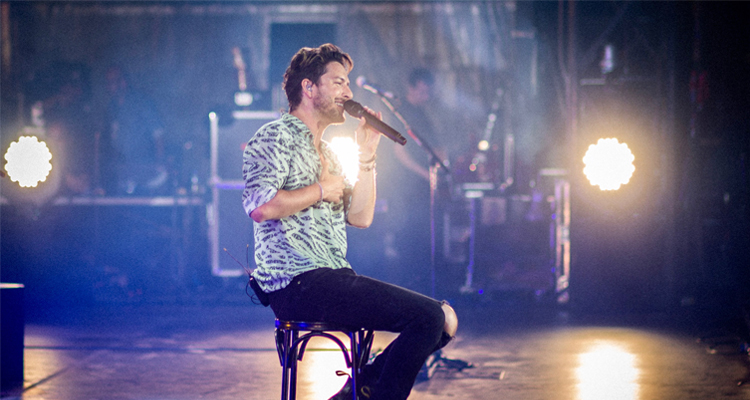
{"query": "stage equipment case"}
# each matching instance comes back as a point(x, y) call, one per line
point(228, 226)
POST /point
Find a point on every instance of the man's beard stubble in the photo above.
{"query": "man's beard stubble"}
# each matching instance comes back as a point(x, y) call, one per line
point(328, 110)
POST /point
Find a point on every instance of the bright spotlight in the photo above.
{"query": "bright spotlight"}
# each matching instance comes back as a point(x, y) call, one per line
point(28, 161)
point(609, 164)
point(347, 151)
point(483, 145)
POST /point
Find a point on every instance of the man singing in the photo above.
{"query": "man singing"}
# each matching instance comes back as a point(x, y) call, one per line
point(297, 196)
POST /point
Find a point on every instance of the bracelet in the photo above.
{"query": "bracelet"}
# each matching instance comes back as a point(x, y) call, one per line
point(374, 156)
point(367, 168)
point(321, 192)
point(368, 165)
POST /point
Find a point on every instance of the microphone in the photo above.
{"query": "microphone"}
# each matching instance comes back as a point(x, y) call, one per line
point(362, 82)
point(356, 110)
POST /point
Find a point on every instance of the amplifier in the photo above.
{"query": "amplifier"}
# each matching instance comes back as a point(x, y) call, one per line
point(228, 226)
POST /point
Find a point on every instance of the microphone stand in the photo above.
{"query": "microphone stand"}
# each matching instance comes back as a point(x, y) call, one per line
point(436, 359)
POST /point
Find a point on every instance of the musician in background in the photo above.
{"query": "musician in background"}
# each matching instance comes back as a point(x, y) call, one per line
point(418, 96)
point(409, 204)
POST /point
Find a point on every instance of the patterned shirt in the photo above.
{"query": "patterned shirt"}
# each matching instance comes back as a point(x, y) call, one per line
point(282, 155)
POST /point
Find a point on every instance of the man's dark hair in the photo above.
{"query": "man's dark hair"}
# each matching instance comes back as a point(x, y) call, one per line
point(421, 75)
point(310, 63)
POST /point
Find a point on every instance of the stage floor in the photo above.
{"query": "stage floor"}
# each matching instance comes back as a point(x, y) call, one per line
point(516, 351)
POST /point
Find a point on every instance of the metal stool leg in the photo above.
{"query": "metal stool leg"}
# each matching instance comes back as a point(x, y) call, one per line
point(354, 349)
point(293, 361)
point(288, 357)
point(284, 354)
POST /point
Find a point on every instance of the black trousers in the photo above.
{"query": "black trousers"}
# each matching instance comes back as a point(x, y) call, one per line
point(343, 297)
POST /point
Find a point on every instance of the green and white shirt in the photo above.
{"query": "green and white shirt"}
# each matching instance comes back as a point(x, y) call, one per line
point(282, 155)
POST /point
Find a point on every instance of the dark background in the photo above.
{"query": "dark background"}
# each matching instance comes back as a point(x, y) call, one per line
point(675, 239)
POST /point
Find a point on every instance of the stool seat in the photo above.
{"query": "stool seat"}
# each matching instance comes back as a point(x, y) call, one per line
point(291, 348)
point(314, 326)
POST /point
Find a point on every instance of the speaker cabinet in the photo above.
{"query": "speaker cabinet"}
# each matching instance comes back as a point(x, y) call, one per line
point(228, 226)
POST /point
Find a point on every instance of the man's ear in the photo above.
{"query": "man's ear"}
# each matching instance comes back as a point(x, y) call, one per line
point(307, 87)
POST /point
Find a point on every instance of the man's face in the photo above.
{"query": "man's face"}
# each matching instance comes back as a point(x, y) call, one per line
point(419, 94)
point(332, 91)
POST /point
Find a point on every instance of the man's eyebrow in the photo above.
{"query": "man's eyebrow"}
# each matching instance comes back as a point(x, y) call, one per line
point(340, 79)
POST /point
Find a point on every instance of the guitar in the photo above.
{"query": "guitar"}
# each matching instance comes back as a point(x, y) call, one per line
point(243, 98)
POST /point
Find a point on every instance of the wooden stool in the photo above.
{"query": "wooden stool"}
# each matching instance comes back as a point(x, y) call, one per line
point(291, 347)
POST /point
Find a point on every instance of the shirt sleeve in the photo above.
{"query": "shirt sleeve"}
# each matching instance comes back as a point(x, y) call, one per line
point(265, 166)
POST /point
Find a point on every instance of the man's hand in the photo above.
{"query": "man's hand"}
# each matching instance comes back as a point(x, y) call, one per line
point(333, 185)
point(362, 207)
point(288, 202)
point(367, 137)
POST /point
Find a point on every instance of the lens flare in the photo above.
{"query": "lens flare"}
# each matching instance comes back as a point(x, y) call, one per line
point(28, 161)
point(609, 164)
point(347, 151)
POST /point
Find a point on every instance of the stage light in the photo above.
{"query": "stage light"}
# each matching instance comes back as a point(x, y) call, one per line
point(483, 145)
point(347, 151)
point(607, 64)
point(28, 161)
point(609, 164)
point(243, 99)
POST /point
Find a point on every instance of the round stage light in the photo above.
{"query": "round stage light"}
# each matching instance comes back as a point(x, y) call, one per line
point(609, 164)
point(483, 145)
point(347, 151)
point(28, 161)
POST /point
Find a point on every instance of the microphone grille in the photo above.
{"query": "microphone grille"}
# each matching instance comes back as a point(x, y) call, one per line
point(353, 108)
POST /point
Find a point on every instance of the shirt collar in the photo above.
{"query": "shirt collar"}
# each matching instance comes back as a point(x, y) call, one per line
point(297, 124)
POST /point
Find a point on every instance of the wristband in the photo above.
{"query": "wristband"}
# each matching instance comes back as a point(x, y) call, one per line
point(321, 192)
point(374, 156)
point(368, 165)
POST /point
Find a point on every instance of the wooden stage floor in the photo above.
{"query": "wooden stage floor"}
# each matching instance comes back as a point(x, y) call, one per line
point(150, 352)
